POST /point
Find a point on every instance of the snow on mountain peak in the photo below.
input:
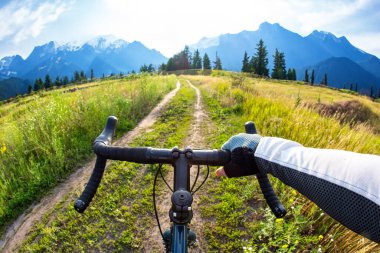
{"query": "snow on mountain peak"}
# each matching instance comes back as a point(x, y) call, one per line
point(323, 35)
point(206, 43)
point(103, 41)
point(70, 46)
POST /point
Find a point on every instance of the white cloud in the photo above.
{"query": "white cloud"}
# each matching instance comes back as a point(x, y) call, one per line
point(21, 20)
point(168, 25)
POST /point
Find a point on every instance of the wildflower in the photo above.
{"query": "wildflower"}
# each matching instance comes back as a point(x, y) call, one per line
point(294, 192)
point(320, 237)
point(284, 246)
point(3, 148)
point(296, 242)
point(279, 220)
point(322, 214)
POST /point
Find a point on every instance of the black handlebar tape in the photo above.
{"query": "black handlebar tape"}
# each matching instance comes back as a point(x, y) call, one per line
point(84, 200)
point(138, 155)
point(108, 131)
point(275, 205)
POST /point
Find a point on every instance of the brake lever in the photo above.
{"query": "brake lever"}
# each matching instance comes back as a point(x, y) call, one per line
point(270, 196)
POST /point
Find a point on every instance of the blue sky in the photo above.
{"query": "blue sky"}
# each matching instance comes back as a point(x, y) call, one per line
point(168, 25)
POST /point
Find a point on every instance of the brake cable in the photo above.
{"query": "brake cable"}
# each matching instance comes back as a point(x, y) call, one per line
point(154, 198)
point(196, 179)
point(154, 190)
point(208, 172)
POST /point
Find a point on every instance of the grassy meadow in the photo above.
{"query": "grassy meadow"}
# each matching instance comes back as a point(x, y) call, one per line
point(239, 219)
point(45, 136)
point(122, 207)
point(235, 215)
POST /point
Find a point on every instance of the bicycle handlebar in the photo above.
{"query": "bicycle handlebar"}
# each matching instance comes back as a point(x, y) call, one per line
point(144, 155)
point(147, 155)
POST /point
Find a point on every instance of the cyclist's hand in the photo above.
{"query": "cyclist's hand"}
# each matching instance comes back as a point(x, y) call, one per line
point(242, 148)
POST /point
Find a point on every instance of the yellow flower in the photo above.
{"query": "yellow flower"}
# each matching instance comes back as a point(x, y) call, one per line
point(296, 242)
point(279, 220)
point(284, 246)
point(320, 237)
point(3, 148)
point(294, 192)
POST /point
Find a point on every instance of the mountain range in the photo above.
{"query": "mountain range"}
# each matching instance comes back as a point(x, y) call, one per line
point(104, 54)
point(321, 51)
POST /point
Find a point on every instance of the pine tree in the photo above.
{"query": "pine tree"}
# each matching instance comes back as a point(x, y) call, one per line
point(350, 86)
point(57, 81)
point(312, 77)
point(30, 88)
point(144, 68)
point(279, 68)
point(290, 74)
point(251, 65)
point(180, 61)
point(206, 62)
point(294, 74)
point(92, 74)
point(187, 58)
point(151, 68)
point(217, 62)
point(65, 80)
point(324, 80)
point(162, 67)
point(76, 76)
point(35, 86)
point(245, 68)
point(356, 87)
point(306, 80)
point(260, 61)
point(82, 76)
point(170, 65)
point(48, 82)
point(197, 60)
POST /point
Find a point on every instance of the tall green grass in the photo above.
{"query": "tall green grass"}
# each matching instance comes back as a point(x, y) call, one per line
point(46, 137)
point(122, 212)
point(239, 218)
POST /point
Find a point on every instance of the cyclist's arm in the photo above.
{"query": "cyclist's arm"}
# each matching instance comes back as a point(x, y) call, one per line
point(344, 184)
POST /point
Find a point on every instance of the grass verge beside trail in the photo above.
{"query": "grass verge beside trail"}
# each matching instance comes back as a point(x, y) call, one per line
point(238, 217)
point(122, 209)
point(44, 139)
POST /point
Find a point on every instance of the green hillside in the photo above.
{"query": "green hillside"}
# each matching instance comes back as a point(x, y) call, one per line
point(45, 136)
point(234, 215)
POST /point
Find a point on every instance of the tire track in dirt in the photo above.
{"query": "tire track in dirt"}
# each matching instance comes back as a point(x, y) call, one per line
point(199, 127)
point(18, 230)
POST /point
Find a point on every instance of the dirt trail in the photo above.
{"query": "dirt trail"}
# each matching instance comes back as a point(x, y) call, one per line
point(16, 233)
point(198, 129)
